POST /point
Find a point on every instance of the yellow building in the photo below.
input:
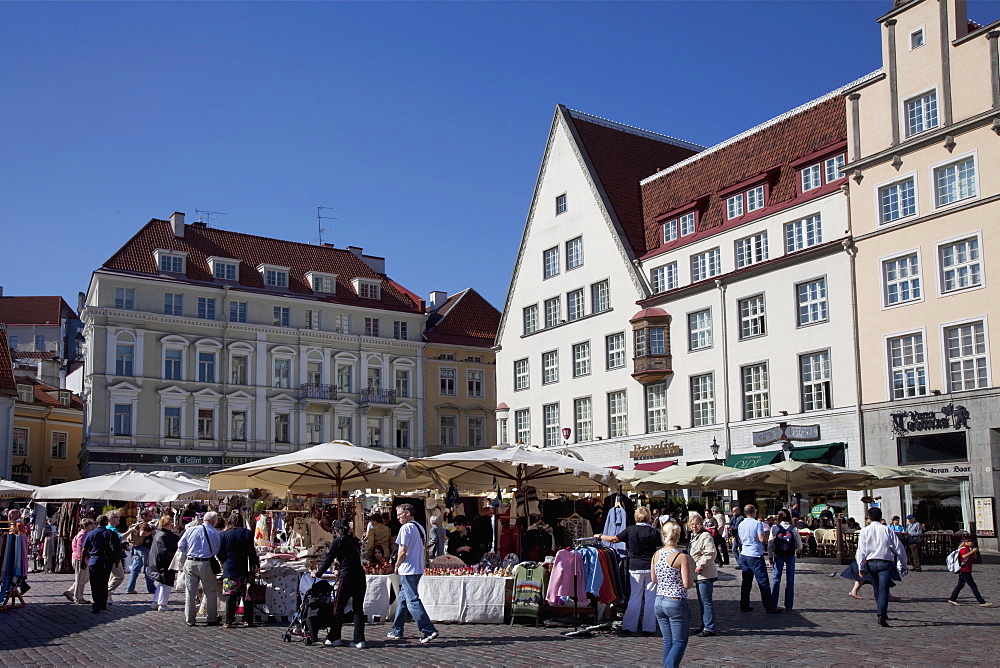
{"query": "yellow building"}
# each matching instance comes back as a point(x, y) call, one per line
point(925, 195)
point(48, 433)
point(460, 373)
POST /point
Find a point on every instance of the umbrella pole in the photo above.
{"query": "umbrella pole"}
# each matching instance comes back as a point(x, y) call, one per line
point(340, 499)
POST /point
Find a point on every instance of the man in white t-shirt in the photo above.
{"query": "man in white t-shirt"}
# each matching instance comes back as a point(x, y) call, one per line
point(410, 567)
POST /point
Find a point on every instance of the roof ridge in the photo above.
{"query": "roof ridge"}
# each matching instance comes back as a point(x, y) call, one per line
point(763, 126)
point(457, 297)
point(631, 129)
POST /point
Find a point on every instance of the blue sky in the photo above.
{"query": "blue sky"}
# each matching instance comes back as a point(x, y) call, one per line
point(421, 124)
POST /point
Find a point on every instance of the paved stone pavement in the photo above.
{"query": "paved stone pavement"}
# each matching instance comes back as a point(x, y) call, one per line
point(827, 629)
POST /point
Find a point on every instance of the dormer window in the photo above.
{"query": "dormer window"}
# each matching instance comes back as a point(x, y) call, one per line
point(65, 398)
point(274, 276)
point(225, 268)
point(734, 206)
point(745, 202)
point(682, 225)
point(320, 282)
point(368, 289)
point(827, 171)
point(171, 262)
point(25, 393)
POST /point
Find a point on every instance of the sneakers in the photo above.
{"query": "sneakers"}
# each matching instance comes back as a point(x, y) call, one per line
point(360, 645)
point(954, 602)
point(154, 606)
point(985, 604)
point(333, 643)
point(164, 608)
point(392, 636)
point(429, 637)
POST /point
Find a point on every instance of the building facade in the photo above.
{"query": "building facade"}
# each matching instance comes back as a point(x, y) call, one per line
point(8, 399)
point(208, 348)
point(925, 192)
point(43, 332)
point(47, 434)
point(460, 372)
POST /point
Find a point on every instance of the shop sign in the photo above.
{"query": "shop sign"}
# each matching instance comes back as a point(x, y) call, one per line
point(237, 461)
point(945, 470)
point(985, 520)
point(187, 460)
point(656, 450)
point(21, 469)
point(950, 416)
point(786, 432)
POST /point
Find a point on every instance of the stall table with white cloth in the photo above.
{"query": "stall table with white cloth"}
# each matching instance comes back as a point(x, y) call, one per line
point(464, 599)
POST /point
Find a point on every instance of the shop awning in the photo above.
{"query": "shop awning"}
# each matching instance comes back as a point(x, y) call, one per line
point(654, 466)
point(816, 453)
point(752, 459)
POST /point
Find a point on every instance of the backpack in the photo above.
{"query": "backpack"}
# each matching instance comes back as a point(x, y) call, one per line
point(954, 562)
point(784, 542)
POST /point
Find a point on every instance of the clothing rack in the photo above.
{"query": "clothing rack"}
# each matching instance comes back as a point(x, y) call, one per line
point(588, 630)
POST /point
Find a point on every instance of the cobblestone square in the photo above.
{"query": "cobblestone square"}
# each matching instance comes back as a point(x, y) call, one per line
point(827, 629)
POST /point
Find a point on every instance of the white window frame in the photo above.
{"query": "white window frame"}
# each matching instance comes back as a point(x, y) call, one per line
point(553, 312)
point(275, 415)
point(282, 316)
point(670, 230)
point(314, 429)
point(824, 302)
point(58, 444)
point(238, 311)
point(755, 198)
point(934, 169)
point(751, 250)
point(522, 375)
point(475, 382)
point(562, 204)
point(401, 435)
point(706, 265)
point(206, 308)
point(945, 352)
point(923, 38)
point(550, 425)
point(162, 254)
point(613, 352)
point(199, 434)
point(20, 440)
point(656, 407)
point(576, 305)
point(703, 332)
point(756, 398)
point(368, 288)
point(883, 262)
point(448, 382)
point(550, 263)
point(811, 177)
point(734, 206)
point(274, 276)
point(174, 348)
point(245, 410)
point(314, 319)
point(125, 299)
point(940, 269)
point(896, 182)
point(837, 162)
point(223, 265)
point(820, 389)
point(477, 431)
point(530, 319)
point(322, 282)
point(240, 349)
point(400, 330)
point(617, 402)
point(581, 359)
point(803, 233)
point(887, 340)
point(686, 223)
point(702, 399)
point(600, 296)
point(550, 367)
point(574, 253)
point(752, 312)
point(283, 354)
point(175, 305)
point(905, 116)
point(371, 327)
point(208, 346)
point(583, 420)
point(522, 426)
point(181, 409)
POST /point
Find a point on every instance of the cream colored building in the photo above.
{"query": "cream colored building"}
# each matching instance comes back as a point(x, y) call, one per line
point(923, 151)
point(460, 373)
point(48, 433)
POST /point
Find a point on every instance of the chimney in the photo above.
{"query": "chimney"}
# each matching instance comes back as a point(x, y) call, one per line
point(177, 223)
point(1, 291)
point(356, 251)
point(437, 299)
point(81, 303)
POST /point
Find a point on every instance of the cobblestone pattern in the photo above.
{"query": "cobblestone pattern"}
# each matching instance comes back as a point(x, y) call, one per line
point(827, 629)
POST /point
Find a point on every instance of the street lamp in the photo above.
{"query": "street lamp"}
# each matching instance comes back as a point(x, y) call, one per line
point(715, 449)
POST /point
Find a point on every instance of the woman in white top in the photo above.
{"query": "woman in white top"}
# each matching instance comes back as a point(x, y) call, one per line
point(672, 575)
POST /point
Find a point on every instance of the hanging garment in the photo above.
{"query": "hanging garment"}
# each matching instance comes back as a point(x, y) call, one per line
point(568, 567)
point(614, 524)
point(530, 581)
point(607, 592)
point(577, 527)
point(593, 574)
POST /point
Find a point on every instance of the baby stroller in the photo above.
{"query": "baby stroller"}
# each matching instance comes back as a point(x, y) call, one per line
point(316, 609)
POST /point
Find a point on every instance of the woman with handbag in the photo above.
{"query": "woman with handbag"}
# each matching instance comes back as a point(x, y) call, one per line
point(673, 576)
point(239, 559)
point(161, 556)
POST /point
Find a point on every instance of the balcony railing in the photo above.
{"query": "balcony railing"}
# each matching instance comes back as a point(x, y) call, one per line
point(313, 391)
point(376, 396)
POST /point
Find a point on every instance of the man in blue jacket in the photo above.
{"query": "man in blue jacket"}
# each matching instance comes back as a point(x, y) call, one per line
point(103, 548)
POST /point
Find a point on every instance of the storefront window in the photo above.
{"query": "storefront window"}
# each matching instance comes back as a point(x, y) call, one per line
point(947, 447)
point(940, 505)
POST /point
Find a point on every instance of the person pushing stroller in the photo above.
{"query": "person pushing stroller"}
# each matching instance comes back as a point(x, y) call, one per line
point(346, 551)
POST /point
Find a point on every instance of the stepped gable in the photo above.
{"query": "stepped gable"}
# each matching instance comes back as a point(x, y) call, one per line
point(622, 156)
point(201, 243)
point(771, 145)
point(466, 318)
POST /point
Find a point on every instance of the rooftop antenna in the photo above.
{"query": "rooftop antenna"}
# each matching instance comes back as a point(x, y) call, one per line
point(319, 221)
point(210, 215)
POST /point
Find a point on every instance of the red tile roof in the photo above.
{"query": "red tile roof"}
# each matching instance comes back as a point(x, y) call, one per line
point(622, 156)
point(770, 149)
point(47, 395)
point(7, 384)
point(34, 310)
point(465, 318)
point(201, 242)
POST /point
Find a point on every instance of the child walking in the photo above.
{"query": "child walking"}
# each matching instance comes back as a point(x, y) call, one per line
point(966, 553)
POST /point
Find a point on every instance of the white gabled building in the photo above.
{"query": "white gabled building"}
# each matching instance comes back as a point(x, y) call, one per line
point(564, 346)
point(751, 324)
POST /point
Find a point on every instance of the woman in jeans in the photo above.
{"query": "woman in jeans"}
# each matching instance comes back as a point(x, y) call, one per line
point(701, 549)
point(672, 573)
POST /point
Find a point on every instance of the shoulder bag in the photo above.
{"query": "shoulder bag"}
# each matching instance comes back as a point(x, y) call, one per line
point(212, 561)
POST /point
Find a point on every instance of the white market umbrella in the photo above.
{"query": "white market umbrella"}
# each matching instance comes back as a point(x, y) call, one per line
point(323, 468)
point(788, 475)
point(123, 486)
point(513, 465)
point(16, 490)
point(898, 476)
point(630, 477)
point(694, 476)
